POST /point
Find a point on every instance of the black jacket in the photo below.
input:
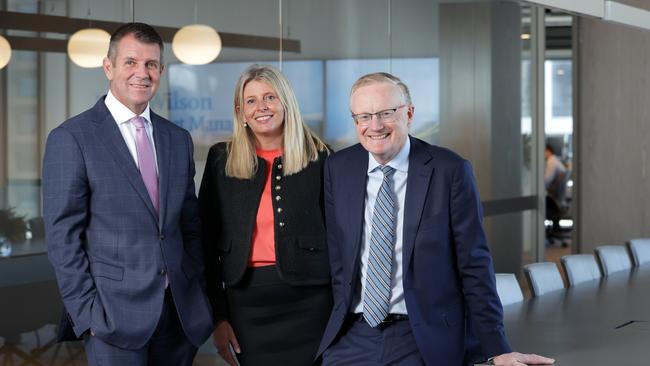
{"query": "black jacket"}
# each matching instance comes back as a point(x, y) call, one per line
point(229, 210)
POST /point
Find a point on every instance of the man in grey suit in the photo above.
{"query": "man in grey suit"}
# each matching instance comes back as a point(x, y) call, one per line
point(121, 218)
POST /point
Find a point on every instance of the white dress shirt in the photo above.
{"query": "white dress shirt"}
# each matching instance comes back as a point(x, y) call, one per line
point(122, 116)
point(401, 165)
point(554, 172)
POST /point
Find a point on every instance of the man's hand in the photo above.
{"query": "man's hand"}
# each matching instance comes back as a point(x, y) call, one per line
point(520, 359)
point(222, 337)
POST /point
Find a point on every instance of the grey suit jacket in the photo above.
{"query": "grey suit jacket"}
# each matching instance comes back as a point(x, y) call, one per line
point(110, 250)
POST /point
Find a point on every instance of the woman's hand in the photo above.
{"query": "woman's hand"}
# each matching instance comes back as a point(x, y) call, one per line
point(222, 337)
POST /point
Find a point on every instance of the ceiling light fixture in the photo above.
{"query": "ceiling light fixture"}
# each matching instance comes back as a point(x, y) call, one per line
point(88, 47)
point(5, 52)
point(196, 44)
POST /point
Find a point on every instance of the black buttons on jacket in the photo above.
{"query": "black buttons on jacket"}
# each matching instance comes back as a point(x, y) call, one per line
point(277, 189)
point(162, 237)
point(162, 272)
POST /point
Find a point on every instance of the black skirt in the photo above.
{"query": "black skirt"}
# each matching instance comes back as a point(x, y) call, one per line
point(276, 323)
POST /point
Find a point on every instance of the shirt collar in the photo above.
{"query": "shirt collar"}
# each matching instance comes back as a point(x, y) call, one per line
point(400, 162)
point(120, 112)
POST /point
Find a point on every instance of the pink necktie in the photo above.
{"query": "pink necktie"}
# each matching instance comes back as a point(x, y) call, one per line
point(147, 165)
point(146, 160)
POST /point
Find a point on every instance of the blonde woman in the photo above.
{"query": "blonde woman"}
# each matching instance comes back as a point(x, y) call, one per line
point(261, 201)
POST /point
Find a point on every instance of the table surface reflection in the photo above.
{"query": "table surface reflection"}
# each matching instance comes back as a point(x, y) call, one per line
point(603, 322)
point(27, 248)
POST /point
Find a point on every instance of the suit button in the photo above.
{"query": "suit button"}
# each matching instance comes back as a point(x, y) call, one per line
point(279, 209)
point(278, 177)
point(277, 188)
point(162, 237)
point(162, 272)
point(277, 198)
point(279, 166)
point(281, 224)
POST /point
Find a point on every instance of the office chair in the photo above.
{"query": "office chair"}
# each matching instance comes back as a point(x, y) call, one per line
point(640, 250)
point(508, 289)
point(580, 268)
point(543, 278)
point(613, 258)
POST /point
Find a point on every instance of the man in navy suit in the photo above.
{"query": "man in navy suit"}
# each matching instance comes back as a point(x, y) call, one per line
point(121, 218)
point(411, 270)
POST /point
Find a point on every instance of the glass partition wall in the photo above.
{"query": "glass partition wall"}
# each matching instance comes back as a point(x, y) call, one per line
point(468, 65)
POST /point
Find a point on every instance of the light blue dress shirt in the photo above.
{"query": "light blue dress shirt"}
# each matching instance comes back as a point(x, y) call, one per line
point(401, 165)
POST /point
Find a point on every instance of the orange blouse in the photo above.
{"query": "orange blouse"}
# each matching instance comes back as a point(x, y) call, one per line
point(263, 248)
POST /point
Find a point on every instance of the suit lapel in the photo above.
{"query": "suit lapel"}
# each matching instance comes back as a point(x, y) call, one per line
point(354, 205)
point(111, 138)
point(163, 150)
point(417, 186)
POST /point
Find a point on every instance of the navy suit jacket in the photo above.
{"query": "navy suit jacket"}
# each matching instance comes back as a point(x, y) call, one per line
point(449, 286)
point(110, 250)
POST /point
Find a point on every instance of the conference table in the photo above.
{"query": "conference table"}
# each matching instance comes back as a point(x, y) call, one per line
point(602, 322)
point(28, 248)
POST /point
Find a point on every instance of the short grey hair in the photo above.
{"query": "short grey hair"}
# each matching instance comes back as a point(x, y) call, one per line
point(382, 77)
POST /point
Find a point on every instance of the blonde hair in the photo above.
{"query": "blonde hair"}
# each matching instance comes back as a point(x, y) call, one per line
point(382, 77)
point(300, 145)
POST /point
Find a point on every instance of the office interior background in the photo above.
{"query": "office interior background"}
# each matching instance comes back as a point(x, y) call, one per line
point(492, 80)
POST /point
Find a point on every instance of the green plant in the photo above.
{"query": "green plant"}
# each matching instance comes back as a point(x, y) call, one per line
point(12, 226)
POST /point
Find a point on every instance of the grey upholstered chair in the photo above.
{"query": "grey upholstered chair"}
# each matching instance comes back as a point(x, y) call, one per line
point(640, 250)
point(508, 289)
point(543, 278)
point(613, 258)
point(580, 268)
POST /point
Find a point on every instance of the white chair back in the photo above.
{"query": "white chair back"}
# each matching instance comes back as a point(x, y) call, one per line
point(508, 289)
point(613, 258)
point(543, 278)
point(580, 268)
point(640, 249)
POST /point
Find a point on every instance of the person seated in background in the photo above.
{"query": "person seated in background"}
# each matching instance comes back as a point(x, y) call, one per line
point(555, 174)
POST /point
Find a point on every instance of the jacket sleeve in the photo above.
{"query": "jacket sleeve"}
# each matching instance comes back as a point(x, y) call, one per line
point(66, 195)
point(475, 263)
point(336, 262)
point(190, 222)
point(210, 218)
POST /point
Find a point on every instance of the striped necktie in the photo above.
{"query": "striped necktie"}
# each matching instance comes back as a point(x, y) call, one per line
point(376, 299)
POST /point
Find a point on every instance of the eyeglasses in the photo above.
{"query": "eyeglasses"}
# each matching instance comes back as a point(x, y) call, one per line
point(385, 115)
